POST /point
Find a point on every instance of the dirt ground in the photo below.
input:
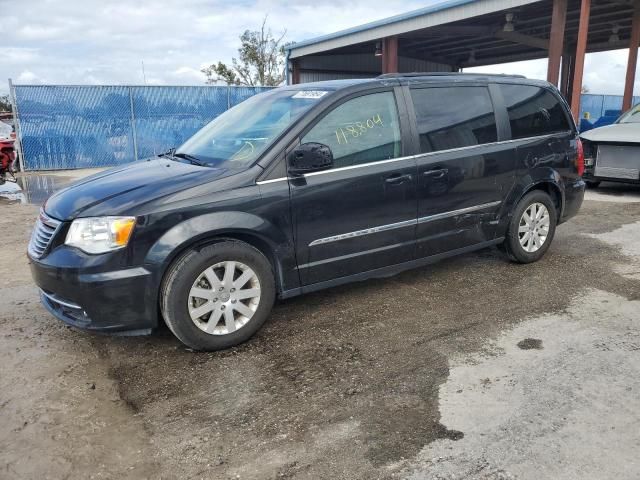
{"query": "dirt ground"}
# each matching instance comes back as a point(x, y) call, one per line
point(474, 368)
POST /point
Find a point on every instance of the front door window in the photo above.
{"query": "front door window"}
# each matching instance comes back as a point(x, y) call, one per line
point(362, 130)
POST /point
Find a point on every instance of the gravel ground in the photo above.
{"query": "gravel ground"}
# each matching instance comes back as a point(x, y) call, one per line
point(471, 368)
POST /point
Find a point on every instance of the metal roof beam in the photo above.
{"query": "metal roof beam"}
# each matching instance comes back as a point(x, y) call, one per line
point(523, 39)
point(620, 16)
point(437, 15)
point(463, 47)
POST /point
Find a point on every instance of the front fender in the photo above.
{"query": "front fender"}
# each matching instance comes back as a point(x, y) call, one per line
point(195, 229)
point(199, 229)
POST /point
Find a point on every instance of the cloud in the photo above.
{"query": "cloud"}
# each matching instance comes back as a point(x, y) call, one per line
point(85, 41)
point(97, 41)
point(187, 74)
point(604, 72)
point(27, 76)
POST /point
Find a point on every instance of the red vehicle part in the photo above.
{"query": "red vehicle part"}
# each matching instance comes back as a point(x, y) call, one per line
point(7, 157)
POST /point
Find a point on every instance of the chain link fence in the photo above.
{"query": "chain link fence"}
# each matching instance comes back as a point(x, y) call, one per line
point(69, 127)
point(603, 108)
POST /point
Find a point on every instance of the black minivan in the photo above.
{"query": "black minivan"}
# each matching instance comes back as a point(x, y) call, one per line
point(307, 187)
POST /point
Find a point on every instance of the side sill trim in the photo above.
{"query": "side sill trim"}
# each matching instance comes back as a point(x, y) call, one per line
point(387, 271)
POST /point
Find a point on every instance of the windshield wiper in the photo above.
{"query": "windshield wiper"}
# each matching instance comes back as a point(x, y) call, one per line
point(190, 158)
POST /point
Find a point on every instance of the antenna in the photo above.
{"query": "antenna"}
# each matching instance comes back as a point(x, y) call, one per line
point(144, 76)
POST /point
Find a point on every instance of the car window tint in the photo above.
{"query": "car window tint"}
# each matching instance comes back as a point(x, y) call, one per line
point(533, 111)
point(364, 129)
point(453, 117)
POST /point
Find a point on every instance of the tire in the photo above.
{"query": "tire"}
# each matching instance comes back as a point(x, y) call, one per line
point(193, 273)
point(530, 251)
point(591, 184)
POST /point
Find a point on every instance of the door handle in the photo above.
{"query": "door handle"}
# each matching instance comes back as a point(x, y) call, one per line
point(436, 174)
point(397, 178)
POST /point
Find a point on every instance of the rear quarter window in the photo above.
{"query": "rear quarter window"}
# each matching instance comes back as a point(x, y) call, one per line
point(453, 117)
point(533, 111)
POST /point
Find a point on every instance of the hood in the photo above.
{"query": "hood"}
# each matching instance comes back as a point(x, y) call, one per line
point(119, 191)
point(616, 133)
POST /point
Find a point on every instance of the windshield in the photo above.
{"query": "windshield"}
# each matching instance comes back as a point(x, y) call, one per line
point(632, 116)
point(236, 138)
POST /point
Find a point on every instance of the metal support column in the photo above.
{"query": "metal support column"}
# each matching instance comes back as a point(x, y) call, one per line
point(134, 133)
point(295, 72)
point(565, 84)
point(16, 125)
point(581, 49)
point(556, 40)
point(632, 63)
point(390, 55)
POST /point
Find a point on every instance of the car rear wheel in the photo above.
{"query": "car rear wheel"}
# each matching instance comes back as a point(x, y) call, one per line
point(531, 228)
point(218, 296)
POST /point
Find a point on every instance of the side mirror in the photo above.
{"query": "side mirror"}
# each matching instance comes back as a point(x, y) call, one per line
point(310, 157)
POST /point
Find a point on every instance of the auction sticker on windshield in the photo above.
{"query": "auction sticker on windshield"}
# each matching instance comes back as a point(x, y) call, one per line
point(310, 94)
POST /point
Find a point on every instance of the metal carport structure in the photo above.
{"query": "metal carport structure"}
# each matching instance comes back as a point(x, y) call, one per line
point(456, 34)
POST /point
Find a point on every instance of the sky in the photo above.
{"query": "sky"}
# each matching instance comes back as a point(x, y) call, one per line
point(105, 42)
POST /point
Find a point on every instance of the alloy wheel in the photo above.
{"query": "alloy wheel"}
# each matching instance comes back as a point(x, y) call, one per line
point(224, 298)
point(533, 229)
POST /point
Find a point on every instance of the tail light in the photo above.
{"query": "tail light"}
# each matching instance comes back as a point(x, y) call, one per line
point(580, 158)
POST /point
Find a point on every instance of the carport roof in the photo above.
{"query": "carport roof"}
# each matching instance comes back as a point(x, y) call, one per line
point(465, 33)
point(402, 23)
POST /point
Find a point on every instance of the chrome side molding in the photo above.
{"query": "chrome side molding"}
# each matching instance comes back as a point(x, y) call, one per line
point(406, 223)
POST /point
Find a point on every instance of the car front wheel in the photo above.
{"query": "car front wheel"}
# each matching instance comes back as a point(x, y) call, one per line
point(218, 296)
point(531, 228)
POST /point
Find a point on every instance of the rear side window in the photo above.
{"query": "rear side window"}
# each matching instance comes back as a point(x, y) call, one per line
point(533, 111)
point(361, 130)
point(453, 117)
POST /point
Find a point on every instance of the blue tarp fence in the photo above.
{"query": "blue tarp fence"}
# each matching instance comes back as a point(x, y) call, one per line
point(68, 127)
point(598, 106)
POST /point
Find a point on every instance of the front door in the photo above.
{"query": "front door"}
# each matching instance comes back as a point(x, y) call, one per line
point(361, 214)
point(464, 172)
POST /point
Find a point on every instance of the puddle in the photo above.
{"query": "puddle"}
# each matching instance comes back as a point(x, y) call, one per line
point(530, 344)
point(32, 189)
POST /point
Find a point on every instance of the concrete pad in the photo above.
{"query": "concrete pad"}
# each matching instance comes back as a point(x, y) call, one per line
point(546, 412)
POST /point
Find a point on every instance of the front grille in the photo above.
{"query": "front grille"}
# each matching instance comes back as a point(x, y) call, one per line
point(617, 161)
point(42, 234)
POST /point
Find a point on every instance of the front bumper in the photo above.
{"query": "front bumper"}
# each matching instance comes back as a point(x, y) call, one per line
point(589, 176)
point(107, 301)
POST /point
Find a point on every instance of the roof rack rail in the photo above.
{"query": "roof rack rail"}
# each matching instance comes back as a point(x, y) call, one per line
point(445, 74)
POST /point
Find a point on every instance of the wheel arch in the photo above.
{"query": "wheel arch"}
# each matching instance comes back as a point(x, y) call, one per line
point(198, 232)
point(548, 183)
point(553, 190)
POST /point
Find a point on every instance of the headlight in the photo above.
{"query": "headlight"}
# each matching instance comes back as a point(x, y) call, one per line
point(100, 234)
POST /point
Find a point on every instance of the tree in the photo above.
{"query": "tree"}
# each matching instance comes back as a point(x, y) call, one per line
point(260, 62)
point(5, 104)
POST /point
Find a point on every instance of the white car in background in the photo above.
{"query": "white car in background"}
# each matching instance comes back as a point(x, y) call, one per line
point(6, 131)
point(612, 153)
